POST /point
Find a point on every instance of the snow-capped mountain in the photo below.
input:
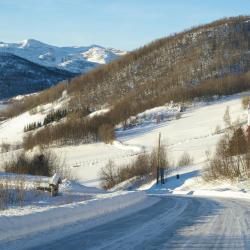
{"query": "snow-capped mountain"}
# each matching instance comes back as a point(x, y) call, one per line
point(73, 59)
point(31, 65)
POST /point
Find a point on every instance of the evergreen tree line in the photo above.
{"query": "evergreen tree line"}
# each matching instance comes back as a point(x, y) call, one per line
point(54, 116)
point(32, 126)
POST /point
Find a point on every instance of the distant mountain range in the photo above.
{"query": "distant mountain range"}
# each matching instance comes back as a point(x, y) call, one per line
point(31, 65)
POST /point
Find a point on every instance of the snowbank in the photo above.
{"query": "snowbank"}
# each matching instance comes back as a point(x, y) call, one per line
point(218, 188)
point(191, 183)
point(98, 113)
point(13, 227)
point(133, 148)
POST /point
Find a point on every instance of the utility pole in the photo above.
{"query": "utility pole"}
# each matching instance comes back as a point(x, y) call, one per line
point(248, 115)
point(158, 160)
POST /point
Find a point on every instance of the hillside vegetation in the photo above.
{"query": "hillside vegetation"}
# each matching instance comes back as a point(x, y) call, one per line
point(208, 60)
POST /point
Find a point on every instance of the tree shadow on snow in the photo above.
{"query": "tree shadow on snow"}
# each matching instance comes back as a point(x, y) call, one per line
point(171, 183)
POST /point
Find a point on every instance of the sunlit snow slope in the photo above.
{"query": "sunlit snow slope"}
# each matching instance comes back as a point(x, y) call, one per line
point(194, 133)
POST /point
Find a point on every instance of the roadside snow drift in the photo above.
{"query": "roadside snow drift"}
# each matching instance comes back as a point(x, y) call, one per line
point(14, 227)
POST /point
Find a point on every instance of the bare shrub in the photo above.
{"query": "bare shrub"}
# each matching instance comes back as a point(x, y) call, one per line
point(37, 165)
point(221, 167)
point(245, 100)
point(231, 159)
point(5, 147)
point(73, 131)
point(33, 111)
point(237, 143)
point(143, 165)
point(108, 175)
point(12, 191)
point(139, 167)
point(45, 163)
point(106, 133)
point(185, 160)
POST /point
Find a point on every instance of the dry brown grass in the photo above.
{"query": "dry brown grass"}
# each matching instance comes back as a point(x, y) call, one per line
point(12, 191)
point(185, 160)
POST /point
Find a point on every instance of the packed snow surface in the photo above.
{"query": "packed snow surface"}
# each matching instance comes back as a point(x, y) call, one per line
point(175, 222)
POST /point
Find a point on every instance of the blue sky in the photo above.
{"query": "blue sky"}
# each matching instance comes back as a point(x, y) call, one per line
point(124, 24)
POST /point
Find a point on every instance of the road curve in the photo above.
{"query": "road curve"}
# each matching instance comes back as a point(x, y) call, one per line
point(172, 223)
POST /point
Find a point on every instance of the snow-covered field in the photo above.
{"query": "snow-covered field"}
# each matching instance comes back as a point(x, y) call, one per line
point(193, 132)
point(82, 206)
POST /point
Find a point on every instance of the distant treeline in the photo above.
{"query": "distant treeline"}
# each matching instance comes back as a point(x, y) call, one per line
point(54, 116)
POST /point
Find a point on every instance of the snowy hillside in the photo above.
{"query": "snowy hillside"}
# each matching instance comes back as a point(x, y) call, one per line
point(74, 59)
point(79, 208)
point(192, 131)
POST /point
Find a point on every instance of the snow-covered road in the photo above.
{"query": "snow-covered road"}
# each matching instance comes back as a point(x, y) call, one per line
point(175, 222)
